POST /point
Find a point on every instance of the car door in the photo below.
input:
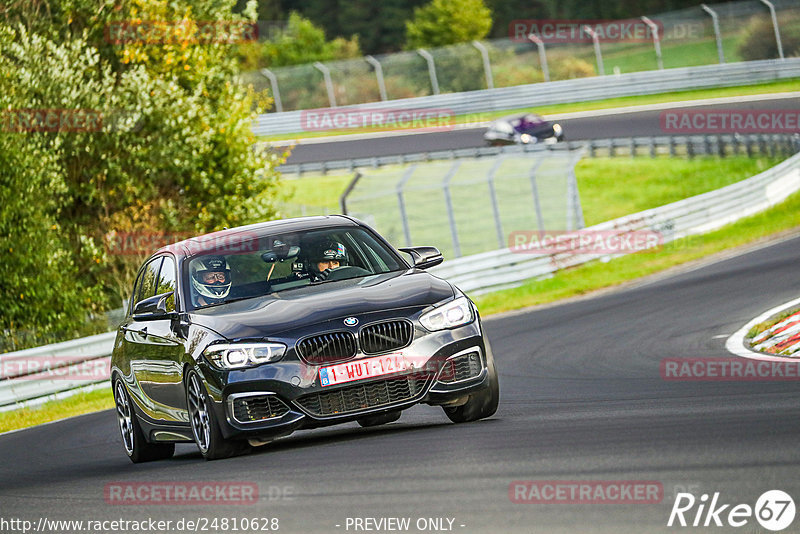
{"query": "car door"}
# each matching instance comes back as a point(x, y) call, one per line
point(154, 348)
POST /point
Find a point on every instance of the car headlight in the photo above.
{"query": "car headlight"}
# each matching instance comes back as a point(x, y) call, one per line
point(557, 129)
point(238, 355)
point(456, 313)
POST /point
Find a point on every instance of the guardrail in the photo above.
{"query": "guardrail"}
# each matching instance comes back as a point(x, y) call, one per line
point(690, 146)
point(52, 369)
point(46, 372)
point(564, 91)
point(489, 271)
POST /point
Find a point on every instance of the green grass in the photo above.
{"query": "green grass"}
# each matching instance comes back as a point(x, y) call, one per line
point(678, 96)
point(683, 54)
point(597, 275)
point(614, 187)
point(609, 187)
point(80, 403)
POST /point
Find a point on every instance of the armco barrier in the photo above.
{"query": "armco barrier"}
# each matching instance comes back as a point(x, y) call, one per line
point(503, 268)
point(52, 369)
point(689, 145)
point(565, 91)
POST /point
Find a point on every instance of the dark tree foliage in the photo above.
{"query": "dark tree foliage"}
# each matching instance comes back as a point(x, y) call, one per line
point(380, 24)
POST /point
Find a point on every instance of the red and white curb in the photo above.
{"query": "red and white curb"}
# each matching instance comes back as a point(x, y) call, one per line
point(789, 332)
point(783, 338)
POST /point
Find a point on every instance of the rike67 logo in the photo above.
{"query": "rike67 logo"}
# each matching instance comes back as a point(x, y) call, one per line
point(774, 510)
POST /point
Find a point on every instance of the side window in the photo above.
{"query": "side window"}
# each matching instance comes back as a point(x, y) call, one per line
point(166, 281)
point(146, 287)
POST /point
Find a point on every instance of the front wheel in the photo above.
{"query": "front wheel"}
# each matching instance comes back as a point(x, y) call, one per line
point(481, 404)
point(205, 427)
point(136, 446)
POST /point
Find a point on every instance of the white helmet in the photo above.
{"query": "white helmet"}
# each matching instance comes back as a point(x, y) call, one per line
point(216, 289)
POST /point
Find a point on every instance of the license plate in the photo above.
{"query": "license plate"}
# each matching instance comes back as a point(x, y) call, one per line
point(364, 368)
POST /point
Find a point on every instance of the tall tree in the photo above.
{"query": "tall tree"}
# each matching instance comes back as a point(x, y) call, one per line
point(444, 22)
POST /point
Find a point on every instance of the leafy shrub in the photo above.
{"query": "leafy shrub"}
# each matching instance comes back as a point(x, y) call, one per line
point(172, 153)
point(567, 68)
point(758, 41)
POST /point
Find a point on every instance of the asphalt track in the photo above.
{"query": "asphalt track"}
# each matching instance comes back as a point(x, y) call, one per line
point(582, 398)
point(636, 124)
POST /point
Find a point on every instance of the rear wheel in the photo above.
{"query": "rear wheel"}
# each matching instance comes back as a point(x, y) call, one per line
point(481, 404)
point(205, 427)
point(379, 419)
point(136, 446)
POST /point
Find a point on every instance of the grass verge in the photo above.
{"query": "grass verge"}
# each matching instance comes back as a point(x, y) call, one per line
point(477, 118)
point(80, 403)
point(597, 275)
point(609, 187)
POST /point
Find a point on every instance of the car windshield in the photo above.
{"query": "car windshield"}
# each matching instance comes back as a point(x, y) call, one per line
point(236, 268)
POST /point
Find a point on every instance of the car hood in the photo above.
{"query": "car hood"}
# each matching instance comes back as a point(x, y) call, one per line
point(294, 309)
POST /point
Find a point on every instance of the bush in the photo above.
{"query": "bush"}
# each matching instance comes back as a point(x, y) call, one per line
point(759, 42)
point(445, 22)
point(567, 68)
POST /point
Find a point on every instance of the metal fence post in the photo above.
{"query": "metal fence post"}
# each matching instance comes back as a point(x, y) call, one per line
point(498, 225)
point(598, 55)
point(379, 75)
point(775, 27)
point(656, 41)
point(449, 205)
point(350, 187)
point(715, 20)
point(574, 210)
point(402, 204)
point(535, 189)
point(431, 69)
point(326, 73)
point(487, 66)
point(276, 94)
point(542, 55)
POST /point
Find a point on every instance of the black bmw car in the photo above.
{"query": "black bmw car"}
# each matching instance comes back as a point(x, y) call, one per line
point(238, 337)
point(523, 129)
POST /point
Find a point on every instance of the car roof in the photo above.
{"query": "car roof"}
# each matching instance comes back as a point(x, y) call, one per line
point(190, 247)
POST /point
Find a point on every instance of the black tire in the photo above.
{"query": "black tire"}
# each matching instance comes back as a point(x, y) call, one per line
point(481, 404)
point(136, 446)
point(379, 419)
point(205, 428)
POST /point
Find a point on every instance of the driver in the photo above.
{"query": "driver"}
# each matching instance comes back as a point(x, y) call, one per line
point(325, 257)
point(211, 280)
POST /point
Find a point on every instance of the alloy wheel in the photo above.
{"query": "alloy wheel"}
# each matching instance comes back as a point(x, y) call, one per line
point(124, 416)
point(198, 411)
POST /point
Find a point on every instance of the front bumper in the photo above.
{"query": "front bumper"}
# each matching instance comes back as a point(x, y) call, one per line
point(276, 399)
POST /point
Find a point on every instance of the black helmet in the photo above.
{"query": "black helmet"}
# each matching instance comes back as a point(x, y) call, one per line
point(328, 251)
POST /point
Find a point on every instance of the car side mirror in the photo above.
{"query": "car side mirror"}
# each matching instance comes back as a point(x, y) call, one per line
point(153, 308)
point(424, 257)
